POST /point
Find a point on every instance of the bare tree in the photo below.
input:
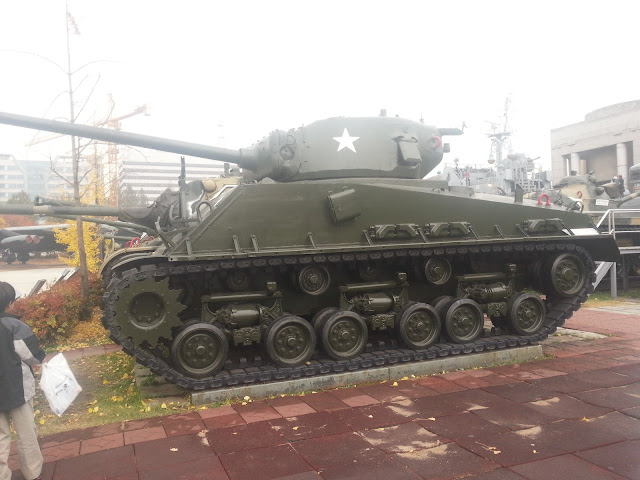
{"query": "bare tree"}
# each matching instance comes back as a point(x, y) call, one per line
point(75, 160)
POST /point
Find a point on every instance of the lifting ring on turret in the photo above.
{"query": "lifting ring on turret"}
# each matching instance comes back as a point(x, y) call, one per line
point(544, 195)
point(579, 194)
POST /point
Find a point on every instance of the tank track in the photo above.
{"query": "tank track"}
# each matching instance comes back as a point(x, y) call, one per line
point(559, 309)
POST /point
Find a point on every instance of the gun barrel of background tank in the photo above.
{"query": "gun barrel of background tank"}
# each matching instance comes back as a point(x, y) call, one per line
point(243, 158)
point(98, 211)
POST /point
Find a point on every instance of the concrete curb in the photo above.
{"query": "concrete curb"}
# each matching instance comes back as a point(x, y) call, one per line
point(393, 372)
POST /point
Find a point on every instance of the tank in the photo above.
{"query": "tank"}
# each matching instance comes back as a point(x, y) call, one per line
point(333, 254)
point(584, 193)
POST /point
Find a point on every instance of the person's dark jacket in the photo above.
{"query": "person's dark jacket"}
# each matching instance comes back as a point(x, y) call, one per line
point(19, 350)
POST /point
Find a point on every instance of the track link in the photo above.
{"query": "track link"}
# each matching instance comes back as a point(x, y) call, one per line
point(559, 309)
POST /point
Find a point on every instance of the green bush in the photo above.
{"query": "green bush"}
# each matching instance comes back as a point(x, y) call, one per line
point(52, 314)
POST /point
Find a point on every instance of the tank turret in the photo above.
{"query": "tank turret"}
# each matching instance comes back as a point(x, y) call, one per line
point(340, 147)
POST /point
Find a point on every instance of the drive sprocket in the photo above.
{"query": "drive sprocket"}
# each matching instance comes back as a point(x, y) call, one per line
point(147, 310)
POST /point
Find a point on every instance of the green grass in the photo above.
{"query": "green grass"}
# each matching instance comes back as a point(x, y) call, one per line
point(603, 298)
point(110, 395)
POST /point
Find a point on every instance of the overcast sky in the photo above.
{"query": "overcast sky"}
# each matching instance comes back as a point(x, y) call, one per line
point(253, 66)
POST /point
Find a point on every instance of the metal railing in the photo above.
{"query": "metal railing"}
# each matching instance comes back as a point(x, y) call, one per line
point(610, 217)
point(615, 229)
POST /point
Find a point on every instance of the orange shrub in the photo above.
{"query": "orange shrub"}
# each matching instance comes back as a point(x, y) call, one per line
point(52, 314)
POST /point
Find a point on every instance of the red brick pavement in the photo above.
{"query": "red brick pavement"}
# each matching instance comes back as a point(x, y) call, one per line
point(573, 416)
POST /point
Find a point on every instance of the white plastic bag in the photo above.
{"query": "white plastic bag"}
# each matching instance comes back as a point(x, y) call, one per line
point(58, 384)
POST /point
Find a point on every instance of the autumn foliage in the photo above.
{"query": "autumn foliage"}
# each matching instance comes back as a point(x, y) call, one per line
point(54, 313)
point(69, 237)
point(7, 221)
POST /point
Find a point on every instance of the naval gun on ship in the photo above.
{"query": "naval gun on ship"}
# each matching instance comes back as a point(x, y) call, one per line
point(332, 254)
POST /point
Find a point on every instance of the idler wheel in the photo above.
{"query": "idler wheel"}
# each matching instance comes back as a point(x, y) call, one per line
point(291, 341)
point(418, 325)
point(314, 280)
point(200, 350)
point(437, 270)
point(567, 274)
point(344, 335)
point(463, 321)
point(526, 313)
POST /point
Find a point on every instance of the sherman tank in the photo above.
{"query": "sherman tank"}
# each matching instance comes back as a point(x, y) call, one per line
point(333, 254)
point(584, 193)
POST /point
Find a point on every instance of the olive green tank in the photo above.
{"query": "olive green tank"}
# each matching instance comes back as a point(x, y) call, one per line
point(332, 253)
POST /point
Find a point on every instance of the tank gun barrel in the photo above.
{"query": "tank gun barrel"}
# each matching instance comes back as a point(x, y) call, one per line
point(52, 211)
point(133, 228)
point(244, 158)
point(627, 198)
point(69, 212)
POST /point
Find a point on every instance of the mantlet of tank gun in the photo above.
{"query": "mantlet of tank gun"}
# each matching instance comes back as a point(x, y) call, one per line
point(348, 147)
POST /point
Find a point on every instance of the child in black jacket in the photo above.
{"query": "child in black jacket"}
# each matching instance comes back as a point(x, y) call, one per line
point(19, 350)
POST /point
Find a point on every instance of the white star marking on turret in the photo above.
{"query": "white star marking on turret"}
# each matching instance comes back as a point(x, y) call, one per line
point(346, 141)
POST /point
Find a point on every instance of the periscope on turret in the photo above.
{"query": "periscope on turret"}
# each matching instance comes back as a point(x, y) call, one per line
point(333, 253)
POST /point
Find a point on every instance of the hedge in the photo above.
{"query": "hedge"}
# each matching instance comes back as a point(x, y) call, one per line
point(54, 313)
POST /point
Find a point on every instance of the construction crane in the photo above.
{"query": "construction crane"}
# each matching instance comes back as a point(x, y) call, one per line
point(111, 172)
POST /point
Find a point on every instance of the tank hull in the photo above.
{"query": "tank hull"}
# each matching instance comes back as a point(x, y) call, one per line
point(272, 219)
point(311, 278)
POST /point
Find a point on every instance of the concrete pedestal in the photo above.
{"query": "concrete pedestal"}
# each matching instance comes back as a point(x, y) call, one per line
point(391, 372)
